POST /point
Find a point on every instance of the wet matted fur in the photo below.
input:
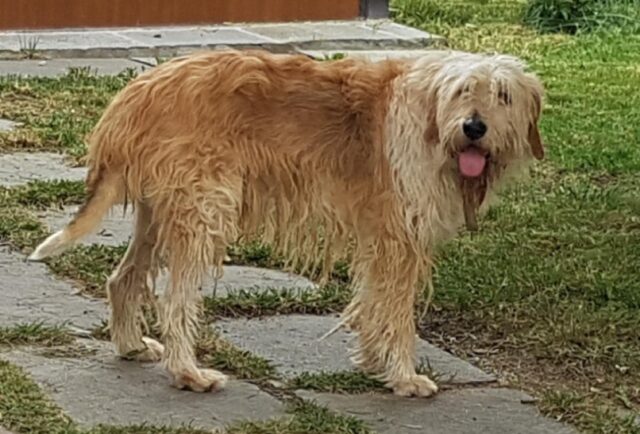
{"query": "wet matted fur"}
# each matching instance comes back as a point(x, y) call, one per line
point(389, 158)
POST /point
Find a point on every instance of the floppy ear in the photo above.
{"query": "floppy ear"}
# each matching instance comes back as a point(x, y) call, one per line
point(537, 148)
point(432, 134)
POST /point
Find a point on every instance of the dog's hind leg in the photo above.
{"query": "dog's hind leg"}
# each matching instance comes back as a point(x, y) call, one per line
point(128, 289)
point(199, 230)
point(386, 280)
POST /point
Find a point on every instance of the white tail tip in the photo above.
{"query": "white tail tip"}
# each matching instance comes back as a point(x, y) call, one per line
point(56, 243)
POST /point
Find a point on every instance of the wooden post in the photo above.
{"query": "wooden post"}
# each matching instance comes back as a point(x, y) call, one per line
point(374, 8)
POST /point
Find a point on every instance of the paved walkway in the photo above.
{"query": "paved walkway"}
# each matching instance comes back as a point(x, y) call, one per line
point(96, 387)
point(164, 41)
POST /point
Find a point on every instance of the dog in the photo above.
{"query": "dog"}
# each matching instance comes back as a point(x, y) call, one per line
point(375, 161)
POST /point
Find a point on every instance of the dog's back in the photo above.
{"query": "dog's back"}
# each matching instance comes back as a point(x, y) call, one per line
point(278, 103)
point(253, 115)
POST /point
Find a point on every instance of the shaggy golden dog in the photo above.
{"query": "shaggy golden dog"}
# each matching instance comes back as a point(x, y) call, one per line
point(387, 159)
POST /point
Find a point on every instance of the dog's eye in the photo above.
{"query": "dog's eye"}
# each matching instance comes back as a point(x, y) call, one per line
point(504, 97)
point(463, 90)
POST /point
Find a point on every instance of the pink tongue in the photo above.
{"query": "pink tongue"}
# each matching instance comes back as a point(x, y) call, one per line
point(471, 163)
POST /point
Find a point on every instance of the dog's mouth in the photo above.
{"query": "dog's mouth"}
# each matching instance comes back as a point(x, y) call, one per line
point(473, 165)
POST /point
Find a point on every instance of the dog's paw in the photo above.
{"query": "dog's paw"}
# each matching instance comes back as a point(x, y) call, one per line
point(152, 352)
point(418, 385)
point(201, 380)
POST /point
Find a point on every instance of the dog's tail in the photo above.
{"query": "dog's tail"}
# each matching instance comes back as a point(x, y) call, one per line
point(104, 190)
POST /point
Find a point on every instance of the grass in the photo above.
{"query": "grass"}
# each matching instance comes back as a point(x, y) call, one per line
point(24, 408)
point(439, 16)
point(583, 16)
point(34, 334)
point(89, 266)
point(336, 382)
point(586, 413)
point(331, 298)
point(307, 418)
point(56, 113)
point(48, 194)
point(19, 225)
point(355, 381)
point(142, 429)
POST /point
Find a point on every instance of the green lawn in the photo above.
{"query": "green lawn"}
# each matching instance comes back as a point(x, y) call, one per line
point(546, 294)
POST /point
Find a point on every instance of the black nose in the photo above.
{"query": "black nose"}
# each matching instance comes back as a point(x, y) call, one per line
point(474, 128)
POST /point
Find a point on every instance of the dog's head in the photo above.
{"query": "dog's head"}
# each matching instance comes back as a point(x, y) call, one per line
point(482, 118)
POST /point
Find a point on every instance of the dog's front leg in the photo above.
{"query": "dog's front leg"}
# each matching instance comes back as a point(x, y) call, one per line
point(382, 313)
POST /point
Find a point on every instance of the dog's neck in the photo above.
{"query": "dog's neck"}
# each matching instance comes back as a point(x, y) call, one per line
point(431, 203)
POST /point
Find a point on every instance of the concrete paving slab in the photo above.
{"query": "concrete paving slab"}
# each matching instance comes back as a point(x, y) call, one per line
point(463, 411)
point(399, 30)
point(196, 37)
point(66, 40)
point(101, 389)
point(22, 167)
point(345, 34)
point(170, 41)
point(4, 45)
point(5, 124)
point(373, 55)
point(292, 343)
point(304, 32)
point(28, 293)
point(57, 67)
